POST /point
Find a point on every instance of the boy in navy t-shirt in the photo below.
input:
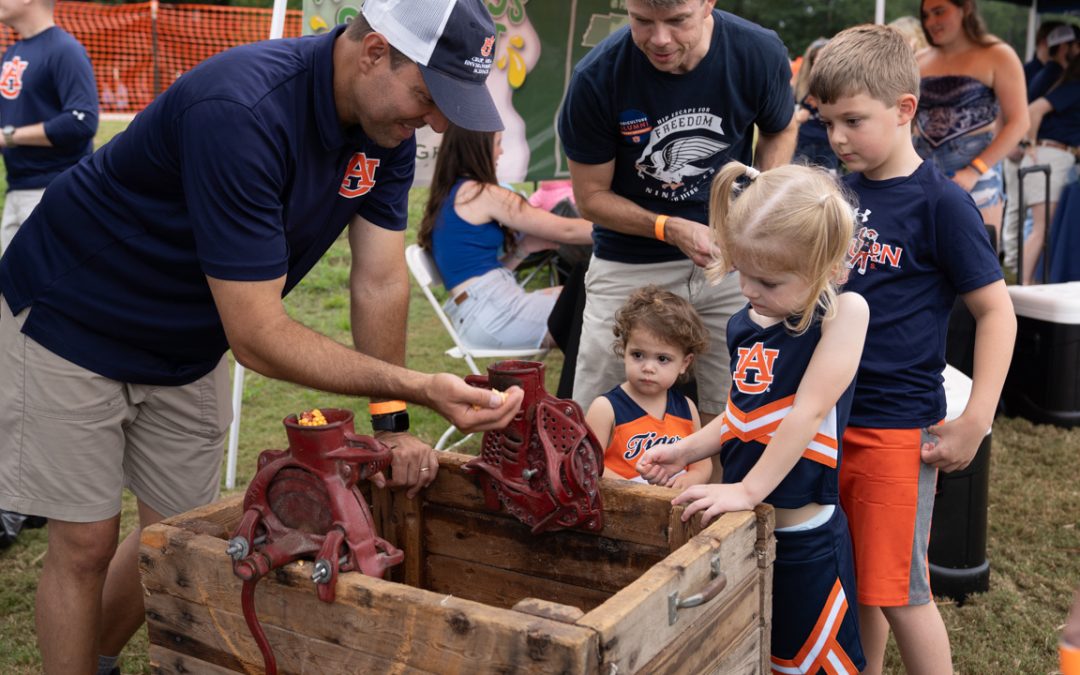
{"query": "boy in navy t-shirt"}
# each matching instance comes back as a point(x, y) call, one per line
point(919, 242)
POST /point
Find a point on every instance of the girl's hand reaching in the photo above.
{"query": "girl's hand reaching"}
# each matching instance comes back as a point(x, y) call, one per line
point(713, 499)
point(661, 462)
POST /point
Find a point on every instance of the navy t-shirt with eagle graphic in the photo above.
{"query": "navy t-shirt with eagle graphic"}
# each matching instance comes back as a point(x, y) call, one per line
point(240, 171)
point(919, 241)
point(669, 134)
point(48, 78)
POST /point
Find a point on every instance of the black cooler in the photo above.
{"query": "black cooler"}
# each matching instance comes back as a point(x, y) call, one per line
point(1044, 379)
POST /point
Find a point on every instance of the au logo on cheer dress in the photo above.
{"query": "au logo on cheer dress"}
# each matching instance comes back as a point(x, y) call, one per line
point(359, 176)
point(758, 361)
point(11, 78)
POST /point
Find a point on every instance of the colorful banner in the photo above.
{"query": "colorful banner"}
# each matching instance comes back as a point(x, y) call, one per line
point(537, 44)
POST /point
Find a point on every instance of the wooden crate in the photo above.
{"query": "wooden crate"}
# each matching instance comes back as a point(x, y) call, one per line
point(477, 593)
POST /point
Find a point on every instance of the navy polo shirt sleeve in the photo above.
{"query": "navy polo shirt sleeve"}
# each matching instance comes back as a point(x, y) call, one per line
point(77, 92)
point(232, 171)
point(585, 125)
point(388, 204)
point(1064, 97)
point(963, 249)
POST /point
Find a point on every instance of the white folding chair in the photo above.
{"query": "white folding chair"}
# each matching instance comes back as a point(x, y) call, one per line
point(423, 270)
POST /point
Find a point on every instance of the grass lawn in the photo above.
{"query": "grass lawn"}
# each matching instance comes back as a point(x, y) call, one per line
point(1034, 542)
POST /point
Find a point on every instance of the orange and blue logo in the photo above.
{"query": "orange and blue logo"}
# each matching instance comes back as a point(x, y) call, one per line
point(359, 176)
point(754, 370)
point(11, 78)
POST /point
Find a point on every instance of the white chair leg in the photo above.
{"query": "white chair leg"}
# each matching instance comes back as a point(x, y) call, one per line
point(234, 428)
point(441, 445)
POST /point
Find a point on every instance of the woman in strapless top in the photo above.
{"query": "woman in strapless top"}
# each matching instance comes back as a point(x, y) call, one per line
point(972, 104)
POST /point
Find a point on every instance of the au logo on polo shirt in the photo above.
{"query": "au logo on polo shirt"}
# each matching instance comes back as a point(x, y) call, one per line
point(359, 176)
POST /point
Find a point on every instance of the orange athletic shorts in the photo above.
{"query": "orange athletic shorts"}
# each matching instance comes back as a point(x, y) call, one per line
point(888, 495)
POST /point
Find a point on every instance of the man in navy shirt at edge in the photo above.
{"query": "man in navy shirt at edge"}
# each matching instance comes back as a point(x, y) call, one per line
point(175, 242)
point(48, 108)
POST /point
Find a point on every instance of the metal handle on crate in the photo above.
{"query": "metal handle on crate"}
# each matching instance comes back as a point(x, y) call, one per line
point(718, 583)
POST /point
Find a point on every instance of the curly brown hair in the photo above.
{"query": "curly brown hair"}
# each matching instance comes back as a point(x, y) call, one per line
point(667, 316)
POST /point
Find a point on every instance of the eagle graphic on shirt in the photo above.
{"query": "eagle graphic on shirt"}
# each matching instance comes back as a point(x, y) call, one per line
point(681, 147)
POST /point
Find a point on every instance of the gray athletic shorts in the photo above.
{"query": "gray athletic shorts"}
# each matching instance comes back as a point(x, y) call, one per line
point(71, 440)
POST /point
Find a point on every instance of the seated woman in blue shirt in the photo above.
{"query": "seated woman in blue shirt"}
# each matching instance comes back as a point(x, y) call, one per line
point(478, 232)
point(1053, 140)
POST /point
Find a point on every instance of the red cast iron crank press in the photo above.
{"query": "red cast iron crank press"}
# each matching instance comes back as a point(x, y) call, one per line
point(304, 503)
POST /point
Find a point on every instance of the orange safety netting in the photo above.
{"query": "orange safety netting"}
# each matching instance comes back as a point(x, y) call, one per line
point(138, 50)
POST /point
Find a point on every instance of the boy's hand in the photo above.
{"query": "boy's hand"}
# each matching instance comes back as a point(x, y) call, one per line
point(660, 463)
point(957, 443)
point(713, 499)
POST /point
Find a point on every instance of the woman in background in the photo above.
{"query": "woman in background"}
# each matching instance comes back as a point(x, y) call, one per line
point(812, 146)
point(478, 232)
point(973, 102)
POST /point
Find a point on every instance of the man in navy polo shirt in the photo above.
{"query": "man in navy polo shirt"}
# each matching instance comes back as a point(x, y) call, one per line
point(48, 108)
point(651, 113)
point(177, 241)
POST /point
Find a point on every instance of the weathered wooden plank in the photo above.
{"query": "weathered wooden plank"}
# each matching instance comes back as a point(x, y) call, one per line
point(744, 657)
point(550, 610)
point(633, 512)
point(164, 661)
point(705, 643)
point(633, 624)
point(217, 517)
point(572, 557)
point(222, 638)
point(372, 615)
point(503, 588)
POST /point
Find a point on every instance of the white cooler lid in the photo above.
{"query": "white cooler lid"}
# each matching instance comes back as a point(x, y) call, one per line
point(1055, 303)
point(957, 393)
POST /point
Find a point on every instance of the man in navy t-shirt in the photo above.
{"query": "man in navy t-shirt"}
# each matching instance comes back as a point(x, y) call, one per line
point(651, 114)
point(48, 108)
point(177, 241)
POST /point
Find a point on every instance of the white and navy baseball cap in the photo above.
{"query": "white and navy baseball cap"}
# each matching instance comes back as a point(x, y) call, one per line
point(1060, 35)
point(453, 42)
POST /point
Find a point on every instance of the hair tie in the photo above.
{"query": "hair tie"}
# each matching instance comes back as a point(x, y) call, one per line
point(822, 199)
point(752, 173)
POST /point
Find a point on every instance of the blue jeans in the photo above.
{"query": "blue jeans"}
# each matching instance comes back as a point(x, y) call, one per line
point(954, 155)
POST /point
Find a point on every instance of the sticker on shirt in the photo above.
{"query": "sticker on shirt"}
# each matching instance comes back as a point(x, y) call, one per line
point(867, 251)
point(634, 126)
point(681, 155)
point(11, 78)
point(359, 176)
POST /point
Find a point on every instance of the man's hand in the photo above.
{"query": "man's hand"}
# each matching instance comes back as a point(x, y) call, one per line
point(414, 464)
point(957, 443)
point(692, 238)
point(713, 499)
point(472, 408)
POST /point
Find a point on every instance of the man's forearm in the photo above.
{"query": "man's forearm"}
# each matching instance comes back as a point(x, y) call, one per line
point(775, 150)
point(617, 213)
point(379, 318)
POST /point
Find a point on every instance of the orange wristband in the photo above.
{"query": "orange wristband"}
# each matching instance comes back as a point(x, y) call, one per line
point(979, 165)
point(658, 226)
point(1070, 658)
point(385, 407)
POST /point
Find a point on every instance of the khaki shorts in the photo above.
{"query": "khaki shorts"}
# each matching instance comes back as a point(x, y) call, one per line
point(18, 204)
point(608, 285)
point(71, 440)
